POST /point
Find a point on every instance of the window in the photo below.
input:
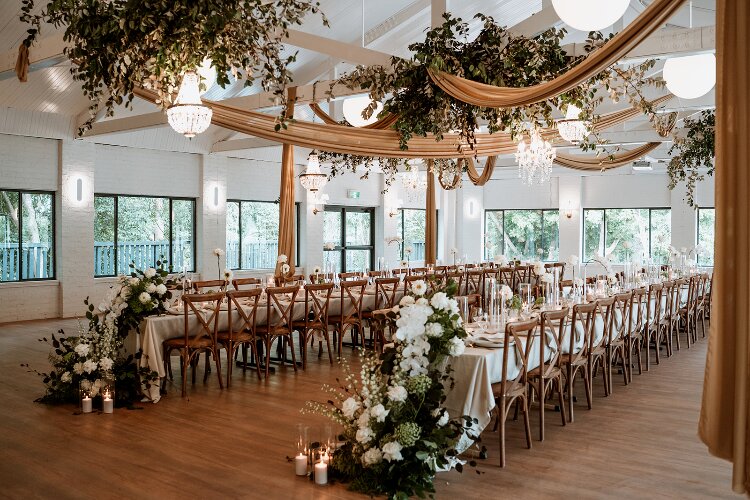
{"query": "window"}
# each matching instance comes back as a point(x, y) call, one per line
point(253, 234)
point(706, 225)
point(412, 229)
point(27, 235)
point(522, 234)
point(627, 233)
point(142, 229)
point(351, 231)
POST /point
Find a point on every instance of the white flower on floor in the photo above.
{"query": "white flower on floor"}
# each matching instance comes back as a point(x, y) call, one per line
point(150, 272)
point(285, 268)
point(419, 287)
point(433, 330)
point(82, 350)
point(78, 368)
point(372, 456)
point(379, 412)
point(364, 435)
point(440, 301)
point(89, 366)
point(218, 252)
point(161, 289)
point(151, 288)
point(407, 300)
point(282, 258)
point(392, 451)
point(106, 363)
point(397, 393)
point(144, 298)
point(66, 377)
point(457, 346)
point(349, 407)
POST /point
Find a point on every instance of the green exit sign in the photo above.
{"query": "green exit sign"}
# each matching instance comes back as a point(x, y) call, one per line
point(352, 194)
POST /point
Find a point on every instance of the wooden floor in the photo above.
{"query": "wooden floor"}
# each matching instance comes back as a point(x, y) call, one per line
point(639, 443)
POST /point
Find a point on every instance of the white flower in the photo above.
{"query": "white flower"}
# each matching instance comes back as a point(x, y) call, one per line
point(443, 416)
point(379, 412)
point(125, 293)
point(397, 393)
point(282, 258)
point(103, 306)
point(392, 451)
point(78, 368)
point(539, 268)
point(433, 330)
point(89, 366)
point(439, 301)
point(372, 456)
point(364, 419)
point(228, 275)
point(547, 278)
point(285, 268)
point(419, 287)
point(403, 263)
point(409, 250)
point(573, 260)
point(364, 435)
point(66, 377)
point(149, 273)
point(161, 289)
point(218, 252)
point(578, 282)
point(501, 260)
point(454, 251)
point(134, 281)
point(317, 270)
point(151, 288)
point(457, 347)
point(506, 293)
point(85, 384)
point(349, 407)
point(329, 246)
point(144, 298)
point(612, 279)
point(106, 363)
point(406, 300)
point(82, 350)
point(422, 301)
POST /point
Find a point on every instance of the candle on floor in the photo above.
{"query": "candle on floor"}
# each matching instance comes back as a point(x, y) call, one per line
point(300, 464)
point(108, 404)
point(86, 404)
point(321, 473)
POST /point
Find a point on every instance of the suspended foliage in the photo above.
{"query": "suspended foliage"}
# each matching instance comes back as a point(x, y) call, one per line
point(694, 146)
point(118, 45)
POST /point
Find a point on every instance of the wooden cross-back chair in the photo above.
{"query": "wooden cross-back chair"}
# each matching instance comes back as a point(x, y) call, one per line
point(474, 283)
point(211, 285)
point(204, 340)
point(671, 315)
point(618, 332)
point(458, 278)
point(349, 317)
point(597, 350)
point(634, 340)
point(376, 274)
point(653, 328)
point(547, 377)
point(703, 304)
point(317, 301)
point(519, 336)
point(522, 274)
point(315, 279)
point(487, 275)
point(296, 279)
point(278, 324)
point(560, 266)
point(386, 292)
point(505, 276)
point(350, 276)
point(249, 282)
point(575, 360)
point(241, 326)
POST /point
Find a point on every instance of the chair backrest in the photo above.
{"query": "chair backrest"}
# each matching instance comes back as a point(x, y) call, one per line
point(487, 275)
point(280, 323)
point(352, 293)
point(240, 300)
point(211, 285)
point(505, 276)
point(621, 311)
point(321, 277)
point(376, 274)
point(605, 307)
point(208, 319)
point(553, 327)
point(418, 270)
point(520, 336)
point(252, 282)
point(297, 279)
point(638, 311)
point(385, 292)
point(317, 299)
point(522, 274)
point(458, 278)
point(653, 305)
point(400, 270)
point(551, 266)
point(585, 315)
point(474, 282)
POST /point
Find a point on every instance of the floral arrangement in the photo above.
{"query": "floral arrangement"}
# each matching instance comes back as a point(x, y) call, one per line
point(218, 253)
point(329, 246)
point(694, 149)
point(116, 47)
point(396, 434)
point(96, 352)
point(603, 260)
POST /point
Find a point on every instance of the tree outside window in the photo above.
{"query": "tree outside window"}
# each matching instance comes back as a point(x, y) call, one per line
point(27, 233)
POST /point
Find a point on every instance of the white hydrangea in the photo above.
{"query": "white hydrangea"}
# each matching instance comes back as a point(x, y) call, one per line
point(106, 363)
point(397, 393)
point(457, 346)
point(392, 451)
point(539, 268)
point(364, 419)
point(78, 368)
point(350, 407)
point(423, 302)
point(440, 301)
point(89, 366)
point(379, 412)
point(161, 289)
point(372, 456)
point(149, 273)
point(419, 287)
point(82, 350)
point(134, 281)
point(66, 377)
point(144, 298)
point(433, 330)
point(406, 300)
point(85, 384)
point(364, 435)
point(151, 288)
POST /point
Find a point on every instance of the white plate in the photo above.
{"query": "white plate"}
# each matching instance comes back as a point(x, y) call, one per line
point(488, 343)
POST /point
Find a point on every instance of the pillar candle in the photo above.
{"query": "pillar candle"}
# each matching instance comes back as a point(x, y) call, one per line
point(86, 405)
point(300, 464)
point(108, 404)
point(321, 473)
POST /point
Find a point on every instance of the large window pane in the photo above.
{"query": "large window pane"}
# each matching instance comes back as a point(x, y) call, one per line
point(358, 228)
point(358, 260)
point(353, 249)
point(412, 228)
point(493, 233)
point(142, 231)
point(182, 234)
point(551, 234)
point(332, 260)
point(233, 234)
point(523, 234)
point(706, 225)
point(104, 236)
point(37, 236)
point(661, 234)
point(9, 257)
point(627, 234)
point(332, 227)
point(260, 234)
point(593, 233)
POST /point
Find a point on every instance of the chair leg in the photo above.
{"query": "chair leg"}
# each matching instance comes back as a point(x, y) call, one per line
point(231, 349)
point(185, 365)
point(291, 347)
point(328, 345)
point(588, 384)
point(217, 359)
point(570, 392)
point(561, 399)
point(541, 392)
point(526, 423)
point(269, 342)
point(501, 422)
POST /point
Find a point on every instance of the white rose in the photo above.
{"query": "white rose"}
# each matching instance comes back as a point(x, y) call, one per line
point(282, 258)
point(218, 252)
point(285, 268)
point(439, 301)
point(379, 412)
point(364, 435)
point(443, 419)
point(372, 456)
point(119, 300)
point(82, 350)
point(392, 451)
point(397, 393)
point(364, 419)
point(134, 281)
point(150, 272)
point(106, 363)
point(66, 377)
point(421, 301)
point(406, 300)
point(419, 287)
point(161, 289)
point(457, 346)
point(89, 366)
point(125, 293)
point(433, 330)
point(144, 298)
point(349, 407)
point(78, 368)
point(151, 288)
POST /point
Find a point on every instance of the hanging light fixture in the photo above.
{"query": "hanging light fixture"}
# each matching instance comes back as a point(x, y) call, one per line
point(535, 161)
point(188, 115)
point(571, 128)
point(412, 181)
point(590, 15)
point(353, 107)
point(313, 179)
point(690, 77)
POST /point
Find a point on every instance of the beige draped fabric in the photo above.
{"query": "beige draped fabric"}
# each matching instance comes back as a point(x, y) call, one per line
point(578, 162)
point(373, 142)
point(474, 176)
point(286, 195)
point(381, 124)
point(491, 96)
point(22, 63)
point(724, 413)
point(430, 236)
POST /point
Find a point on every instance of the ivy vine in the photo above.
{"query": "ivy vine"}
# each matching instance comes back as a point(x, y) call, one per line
point(694, 146)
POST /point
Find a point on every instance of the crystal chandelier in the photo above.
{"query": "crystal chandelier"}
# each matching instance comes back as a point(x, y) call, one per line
point(571, 128)
point(413, 182)
point(313, 179)
point(535, 161)
point(188, 115)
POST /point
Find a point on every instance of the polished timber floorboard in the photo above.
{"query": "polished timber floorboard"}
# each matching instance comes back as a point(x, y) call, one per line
point(641, 442)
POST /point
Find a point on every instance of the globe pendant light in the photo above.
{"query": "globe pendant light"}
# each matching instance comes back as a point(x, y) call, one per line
point(571, 128)
point(590, 15)
point(313, 179)
point(353, 107)
point(689, 77)
point(188, 115)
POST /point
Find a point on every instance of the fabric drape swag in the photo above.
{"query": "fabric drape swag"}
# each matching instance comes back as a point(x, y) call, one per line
point(430, 237)
point(491, 96)
point(286, 195)
point(726, 394)
point(600, 163)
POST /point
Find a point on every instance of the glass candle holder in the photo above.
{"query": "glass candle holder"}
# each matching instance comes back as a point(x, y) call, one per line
point(85, 398)
point(108, 395)
point(301, 456)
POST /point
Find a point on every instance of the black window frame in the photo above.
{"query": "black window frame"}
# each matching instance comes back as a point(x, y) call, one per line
point(239, 231)
point(171, 223)
point(21, 192)
point(604, 221)
point(344, 247)
point(698, 233)
point(541, 213)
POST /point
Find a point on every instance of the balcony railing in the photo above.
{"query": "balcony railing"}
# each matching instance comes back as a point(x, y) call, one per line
point(36, 262)
point(143, 253)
